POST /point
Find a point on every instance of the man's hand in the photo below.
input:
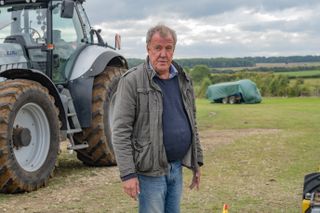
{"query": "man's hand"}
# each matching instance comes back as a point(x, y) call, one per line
point(131, 187)
point(195, 180)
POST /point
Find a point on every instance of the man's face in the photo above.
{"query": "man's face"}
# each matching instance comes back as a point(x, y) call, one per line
point(160, 51)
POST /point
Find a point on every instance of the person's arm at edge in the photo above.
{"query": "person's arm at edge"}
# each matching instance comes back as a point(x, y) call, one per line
point(123, 118)
point(196, 173)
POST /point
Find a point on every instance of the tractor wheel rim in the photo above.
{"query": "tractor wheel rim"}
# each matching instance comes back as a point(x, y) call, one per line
point(33, 156)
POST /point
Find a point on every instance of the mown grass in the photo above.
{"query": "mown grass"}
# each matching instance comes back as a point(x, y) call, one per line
point(308, 73)
point(260, 173)
point(281, 113)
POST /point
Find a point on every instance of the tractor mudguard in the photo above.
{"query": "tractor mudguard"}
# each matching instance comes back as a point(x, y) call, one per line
point(91, 62)
point(93, 59)
point(81, 93)
point(41, 78)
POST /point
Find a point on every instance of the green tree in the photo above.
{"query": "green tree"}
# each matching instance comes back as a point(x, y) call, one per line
point(299, 89)
point(199, 72)
point(187, 70)
point(203, 87)
point(279, 85)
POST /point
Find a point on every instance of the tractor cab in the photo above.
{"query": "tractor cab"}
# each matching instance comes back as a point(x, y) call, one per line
point(50, 34)
point(69, 36)
point(24, 26)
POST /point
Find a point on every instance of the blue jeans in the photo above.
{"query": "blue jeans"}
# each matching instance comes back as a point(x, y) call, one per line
point(161, 194)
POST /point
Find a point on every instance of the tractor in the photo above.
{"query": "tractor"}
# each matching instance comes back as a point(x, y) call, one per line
point(57, 81)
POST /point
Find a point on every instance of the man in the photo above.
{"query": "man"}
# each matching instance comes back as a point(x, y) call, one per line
point(154, 127)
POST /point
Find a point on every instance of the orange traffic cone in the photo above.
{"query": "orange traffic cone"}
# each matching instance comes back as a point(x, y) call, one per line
point(225, 208)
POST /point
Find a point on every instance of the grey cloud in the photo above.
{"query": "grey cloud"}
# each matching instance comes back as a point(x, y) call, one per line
point(281, 25)
point(234, 49)
point(214, 28)
point(139, 9)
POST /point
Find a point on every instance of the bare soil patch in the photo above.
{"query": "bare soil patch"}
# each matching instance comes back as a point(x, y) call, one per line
point(213, 138)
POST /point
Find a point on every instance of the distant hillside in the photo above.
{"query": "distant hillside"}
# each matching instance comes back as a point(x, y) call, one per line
point(132, 62)
point(235, 62)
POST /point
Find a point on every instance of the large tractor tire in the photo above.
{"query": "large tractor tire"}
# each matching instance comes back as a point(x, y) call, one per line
point(29, 136)
point(98, 136)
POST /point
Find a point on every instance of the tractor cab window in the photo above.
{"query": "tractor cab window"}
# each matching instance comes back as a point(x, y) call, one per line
point(25, 26)
point(68, 38)
point(25, 20)
point(85, 23)
point(6, 23)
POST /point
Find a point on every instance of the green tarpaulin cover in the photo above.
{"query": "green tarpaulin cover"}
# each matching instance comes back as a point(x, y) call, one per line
point(248, 90)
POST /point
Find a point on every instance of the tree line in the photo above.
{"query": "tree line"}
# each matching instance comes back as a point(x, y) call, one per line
point(267, 69)
point(234, 62)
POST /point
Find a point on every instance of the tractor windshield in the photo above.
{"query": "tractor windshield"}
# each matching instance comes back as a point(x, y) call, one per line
point(26, 20)
point(24, 27)
point(6, 23)
point(70, 35)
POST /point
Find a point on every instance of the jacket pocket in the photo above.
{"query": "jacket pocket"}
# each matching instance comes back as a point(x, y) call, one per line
point(143, 99)
point(143, 155)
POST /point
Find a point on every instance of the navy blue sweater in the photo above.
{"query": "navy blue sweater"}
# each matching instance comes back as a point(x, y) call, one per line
point(175, 122)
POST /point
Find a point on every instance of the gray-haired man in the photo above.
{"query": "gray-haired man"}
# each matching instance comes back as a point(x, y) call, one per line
point(154, 127)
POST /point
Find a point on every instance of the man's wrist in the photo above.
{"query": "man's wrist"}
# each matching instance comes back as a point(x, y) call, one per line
point(129, 176)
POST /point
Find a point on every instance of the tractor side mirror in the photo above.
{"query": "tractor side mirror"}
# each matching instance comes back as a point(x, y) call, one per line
point(67, 9)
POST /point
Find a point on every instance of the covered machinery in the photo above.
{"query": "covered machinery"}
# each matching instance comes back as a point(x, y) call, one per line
point(242, 91)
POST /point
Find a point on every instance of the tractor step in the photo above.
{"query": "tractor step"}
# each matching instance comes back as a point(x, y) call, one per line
point(73, 124)
point(78, 146)
point(71, 114)
point(72, 131)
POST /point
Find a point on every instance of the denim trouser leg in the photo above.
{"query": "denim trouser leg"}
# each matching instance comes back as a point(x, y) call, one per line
point(161, 194)
point(174, 188)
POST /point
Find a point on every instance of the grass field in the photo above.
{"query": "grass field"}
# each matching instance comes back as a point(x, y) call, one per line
point(308, 73)
point(272, 65)
point(260, 172)
point(256, 157)
point(308, 64)
point(312, 81)
point(308, 82)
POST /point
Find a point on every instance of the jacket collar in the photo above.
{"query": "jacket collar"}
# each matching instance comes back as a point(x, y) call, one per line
point(152, 73)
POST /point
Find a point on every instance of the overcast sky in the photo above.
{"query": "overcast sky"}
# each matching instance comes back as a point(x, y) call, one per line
point(213, 28)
